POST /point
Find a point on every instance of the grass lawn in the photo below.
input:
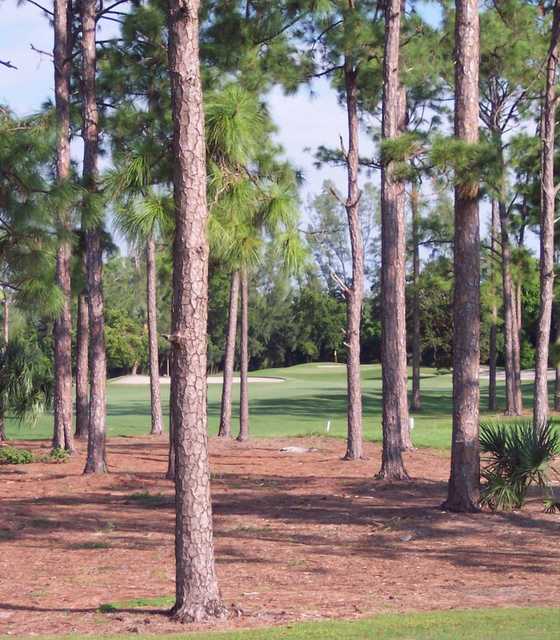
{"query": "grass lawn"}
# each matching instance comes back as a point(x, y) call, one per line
point(481, 624)
point(312, 395)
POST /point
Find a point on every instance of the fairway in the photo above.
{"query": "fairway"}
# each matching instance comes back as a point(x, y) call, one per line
point(312, 396)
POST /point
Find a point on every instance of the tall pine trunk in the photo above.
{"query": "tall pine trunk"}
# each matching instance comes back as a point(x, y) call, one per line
point(416, 404)
point(548, 197)
point(96, 457)
point(82, 368)
point(393, 253)
point(244, 360)
point(170, 474)
point(464, 482)
point(354, 293)
point(514, 401)
point(6, 336)
point(63, 437)
point(556, 317)
point(229, 358)
point(197, 593)
point(5, 318)
point(155, 394)
point(493, 351)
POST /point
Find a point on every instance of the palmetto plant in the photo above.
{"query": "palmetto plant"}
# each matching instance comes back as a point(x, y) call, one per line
point(26, 380)
point(517, 456)
point(143, 213)
point(253, 203)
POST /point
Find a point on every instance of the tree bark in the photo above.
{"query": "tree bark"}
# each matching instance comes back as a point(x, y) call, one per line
point(170, 475)
point(519, 317)
point(416, 336)
point(229, 359)
point(464, 482)
point(393, 252)
point(96, 457)
point(355, 292)
point(556, 315)
point(197, 593)
point(5, 318)
point(493, 355)
point(557, 387)
point(548, 197)
point(82, 368)
point(6, 336)
point(244, 360)
point(63, 437)
point(157, 420)
point(514, 400)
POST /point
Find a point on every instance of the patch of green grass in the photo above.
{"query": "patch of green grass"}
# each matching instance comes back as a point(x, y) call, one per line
point(476, 624)
point(7, 534)
point(42, 523)
point(162, 602)
point(150, 500)
point(311, 396)
point(91, 545)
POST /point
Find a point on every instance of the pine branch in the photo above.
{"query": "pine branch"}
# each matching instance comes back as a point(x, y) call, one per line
point(41, 52)
point(7, 63)
point(40, 6)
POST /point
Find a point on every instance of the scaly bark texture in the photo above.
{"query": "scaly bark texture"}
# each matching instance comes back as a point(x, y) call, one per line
point(155, 394)
point(464, 482)
point(244, 360)
point(82, 368)
point(416, 404)
point(493, 350)
point(96, 458)
point(63, 437)
point(197, 594)
point(229, 359)
point(548, 197)
point(393, 253)
point(355, 292)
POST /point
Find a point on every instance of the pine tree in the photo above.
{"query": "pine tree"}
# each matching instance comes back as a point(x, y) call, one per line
point(63, 41)
point(393, 252)
point(463, 490)
point(548, 200)
point(96, 456)
point(197, 593)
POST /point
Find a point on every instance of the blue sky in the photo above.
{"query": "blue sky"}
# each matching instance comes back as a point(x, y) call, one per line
point(304, 122)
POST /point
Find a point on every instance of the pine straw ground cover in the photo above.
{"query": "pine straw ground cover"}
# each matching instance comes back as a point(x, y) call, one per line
point(299, 538)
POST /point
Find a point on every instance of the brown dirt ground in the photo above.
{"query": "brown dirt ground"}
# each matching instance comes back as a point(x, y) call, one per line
point(297, 537)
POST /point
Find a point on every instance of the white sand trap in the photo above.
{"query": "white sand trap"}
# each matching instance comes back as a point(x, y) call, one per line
point(140, 380)
point(526, 374)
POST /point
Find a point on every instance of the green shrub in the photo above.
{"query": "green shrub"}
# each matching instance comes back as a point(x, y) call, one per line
point(58, 455)
point(517, 456)
point(12, 455)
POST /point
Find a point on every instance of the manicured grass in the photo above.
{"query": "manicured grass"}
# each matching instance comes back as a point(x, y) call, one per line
point(480, 624)
point(312, 395)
